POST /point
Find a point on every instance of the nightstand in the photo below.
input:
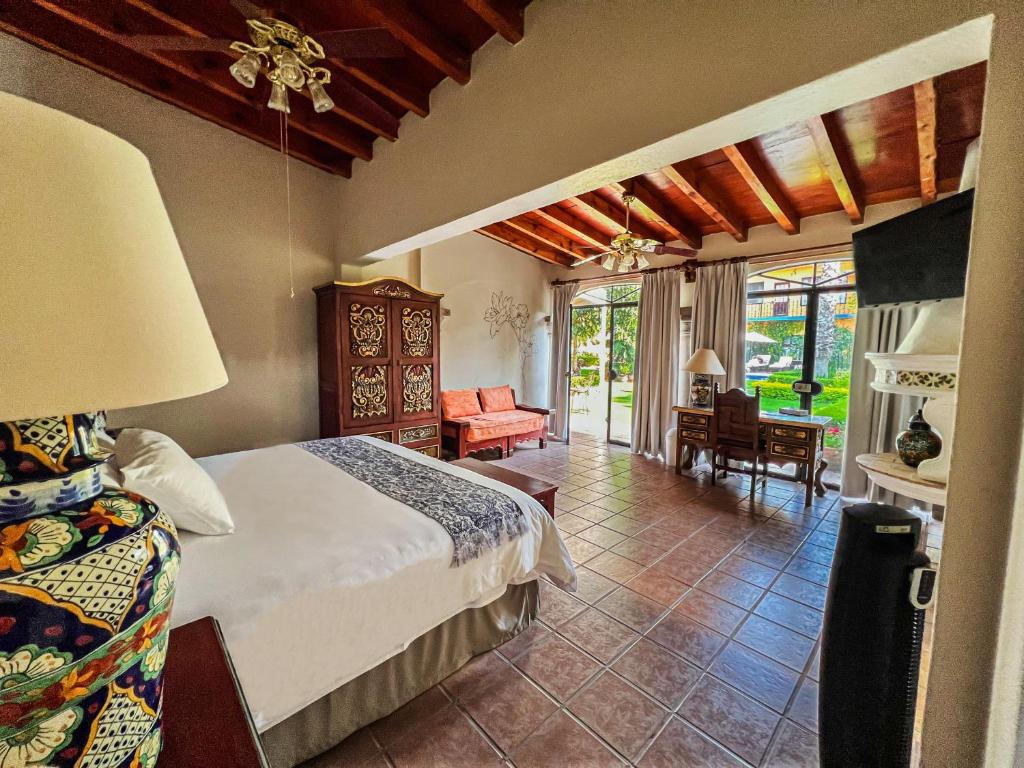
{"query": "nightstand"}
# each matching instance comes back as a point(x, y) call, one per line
point(206, 721)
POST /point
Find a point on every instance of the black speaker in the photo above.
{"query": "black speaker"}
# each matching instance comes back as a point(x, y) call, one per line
point(871, 641)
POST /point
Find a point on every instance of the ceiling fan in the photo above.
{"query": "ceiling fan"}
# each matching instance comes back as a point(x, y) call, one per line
point(627, 251)
point(290, 56)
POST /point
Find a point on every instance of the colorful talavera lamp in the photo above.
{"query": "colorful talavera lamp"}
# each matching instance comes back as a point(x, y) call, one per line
point(98, 312)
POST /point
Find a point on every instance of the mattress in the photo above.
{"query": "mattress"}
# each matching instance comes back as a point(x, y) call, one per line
point(324, 577)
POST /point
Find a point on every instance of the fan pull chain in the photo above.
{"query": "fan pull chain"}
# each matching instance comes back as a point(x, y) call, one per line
point(288, 199)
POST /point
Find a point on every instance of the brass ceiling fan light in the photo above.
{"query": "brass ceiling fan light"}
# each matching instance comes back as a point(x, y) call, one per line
point(627, 251)
point(290, 57)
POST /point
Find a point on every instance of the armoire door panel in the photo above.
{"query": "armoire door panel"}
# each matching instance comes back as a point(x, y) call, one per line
point(366, 339)
point(415, 336)
point(365, 328)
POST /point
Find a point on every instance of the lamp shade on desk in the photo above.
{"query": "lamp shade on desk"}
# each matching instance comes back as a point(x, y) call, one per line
point(99, 312)
point(704, 361)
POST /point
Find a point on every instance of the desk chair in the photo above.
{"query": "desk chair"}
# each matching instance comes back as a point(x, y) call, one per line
point(735, 432)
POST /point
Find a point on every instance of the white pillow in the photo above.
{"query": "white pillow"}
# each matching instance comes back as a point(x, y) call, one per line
point(158, 468)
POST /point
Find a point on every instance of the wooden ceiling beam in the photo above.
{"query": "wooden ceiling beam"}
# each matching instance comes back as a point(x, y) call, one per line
point(684, 176)
point(503, 16)
point(745, 159)
point(419, 35)
point(927, 152)
point(372, 74)
point(650, 206)
point(98, 19)
point(513, 238)
point(380, 122)
point(556, 240)
point(838, 164)
point(54, 33)
point(613, 217)
point(580, 230)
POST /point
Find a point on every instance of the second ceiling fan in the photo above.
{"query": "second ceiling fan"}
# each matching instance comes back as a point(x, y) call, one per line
point(627, 251)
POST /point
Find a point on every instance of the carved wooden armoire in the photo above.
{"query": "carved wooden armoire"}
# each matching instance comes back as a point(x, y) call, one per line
point(379, 362)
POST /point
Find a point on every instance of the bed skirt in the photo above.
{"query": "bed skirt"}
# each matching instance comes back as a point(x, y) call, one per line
point(428, 660)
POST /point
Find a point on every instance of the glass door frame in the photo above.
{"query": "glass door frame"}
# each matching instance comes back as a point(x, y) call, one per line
point(611, 307)
point(813, 293)
point(611, 368)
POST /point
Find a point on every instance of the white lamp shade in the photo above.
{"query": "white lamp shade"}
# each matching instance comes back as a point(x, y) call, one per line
point(98, 307)
point(704, 361)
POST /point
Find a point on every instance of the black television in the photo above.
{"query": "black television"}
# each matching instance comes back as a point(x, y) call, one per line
point(919, 256)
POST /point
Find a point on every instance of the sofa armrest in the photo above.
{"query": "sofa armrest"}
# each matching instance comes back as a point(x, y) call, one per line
point(454, 425)
point(533, 409)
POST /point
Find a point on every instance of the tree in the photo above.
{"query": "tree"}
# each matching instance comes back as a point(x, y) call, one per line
point(826, 339)
point(624, 340)
point(586, 326)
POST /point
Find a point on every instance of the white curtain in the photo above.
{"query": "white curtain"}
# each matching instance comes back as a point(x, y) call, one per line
point(720, 318)
point(657, 361)
point(875, 418)
point(561, 345)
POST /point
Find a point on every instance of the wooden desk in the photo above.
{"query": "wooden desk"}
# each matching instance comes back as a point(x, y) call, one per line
point(787, 439)
point(541, 490)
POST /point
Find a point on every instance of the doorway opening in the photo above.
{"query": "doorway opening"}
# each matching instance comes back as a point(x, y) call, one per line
point(602, 358)
point(800, 324)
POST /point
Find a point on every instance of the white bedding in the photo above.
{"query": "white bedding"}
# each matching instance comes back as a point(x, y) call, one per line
point(325, 577)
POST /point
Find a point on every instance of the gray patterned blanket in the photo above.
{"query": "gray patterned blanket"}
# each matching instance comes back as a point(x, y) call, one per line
point(477, 519)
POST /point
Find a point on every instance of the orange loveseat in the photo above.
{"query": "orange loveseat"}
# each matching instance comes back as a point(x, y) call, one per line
point(472, 420)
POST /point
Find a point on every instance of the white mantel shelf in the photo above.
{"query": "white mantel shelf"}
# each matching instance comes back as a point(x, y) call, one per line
point(888, 471)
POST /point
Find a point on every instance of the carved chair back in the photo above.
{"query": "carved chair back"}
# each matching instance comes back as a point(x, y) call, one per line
point(736, 419)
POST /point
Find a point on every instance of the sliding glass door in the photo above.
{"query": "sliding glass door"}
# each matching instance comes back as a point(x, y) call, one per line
point(602, 356)
point(800, 323)
point(622, 336)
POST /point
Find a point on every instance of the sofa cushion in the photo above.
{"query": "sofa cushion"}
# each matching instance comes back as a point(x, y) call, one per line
point(502, 424)
point(456, 403)
point(496, 399)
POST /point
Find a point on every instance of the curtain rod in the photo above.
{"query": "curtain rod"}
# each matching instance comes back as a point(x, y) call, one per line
point(764, 258)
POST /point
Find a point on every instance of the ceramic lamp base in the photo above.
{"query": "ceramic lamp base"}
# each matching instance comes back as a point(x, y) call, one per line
point(700, 391)
point(86, 590)
point(940, 412)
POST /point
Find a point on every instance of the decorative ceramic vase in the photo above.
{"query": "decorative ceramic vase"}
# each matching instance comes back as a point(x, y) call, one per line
point(86, 584)
point(918, 442)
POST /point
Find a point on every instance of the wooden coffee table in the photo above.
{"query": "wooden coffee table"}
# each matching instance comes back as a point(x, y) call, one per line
point(541, 490)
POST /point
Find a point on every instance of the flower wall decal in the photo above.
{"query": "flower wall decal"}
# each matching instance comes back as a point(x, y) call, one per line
point(505, 312)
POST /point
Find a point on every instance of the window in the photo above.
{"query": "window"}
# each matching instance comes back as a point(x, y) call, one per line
point(801, 329)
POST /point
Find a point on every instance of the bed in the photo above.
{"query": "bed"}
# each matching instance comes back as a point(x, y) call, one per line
point(339, 602)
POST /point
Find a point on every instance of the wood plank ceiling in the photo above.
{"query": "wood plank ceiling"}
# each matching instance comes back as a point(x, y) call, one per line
point(371, 95)
point(905, 144)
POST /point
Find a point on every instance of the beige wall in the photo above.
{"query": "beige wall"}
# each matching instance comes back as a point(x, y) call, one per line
point(468, 269)
point(544, 120)
point(224, 195)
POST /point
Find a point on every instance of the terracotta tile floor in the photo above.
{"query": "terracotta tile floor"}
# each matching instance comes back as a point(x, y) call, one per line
point(692, 640)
